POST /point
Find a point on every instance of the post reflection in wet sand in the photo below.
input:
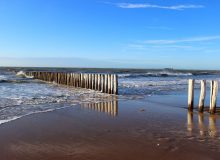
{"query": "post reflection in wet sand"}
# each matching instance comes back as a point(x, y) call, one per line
point(212, 128)
point(201, 124)
point(189, 122)
point(110, 107)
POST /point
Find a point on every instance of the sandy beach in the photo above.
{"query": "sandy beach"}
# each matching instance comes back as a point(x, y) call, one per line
point(109, 80)
point(130, 129)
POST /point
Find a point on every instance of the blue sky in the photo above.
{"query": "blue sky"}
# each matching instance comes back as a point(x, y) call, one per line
point(99, 33)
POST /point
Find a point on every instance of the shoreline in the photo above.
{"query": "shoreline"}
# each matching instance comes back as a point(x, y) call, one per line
point(140, 129)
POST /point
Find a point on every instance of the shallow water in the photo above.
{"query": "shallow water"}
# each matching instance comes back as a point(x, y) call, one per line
point(24, 96)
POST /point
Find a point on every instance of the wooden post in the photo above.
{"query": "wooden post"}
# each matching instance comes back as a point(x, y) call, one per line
point(75, 79)
point(106, 84)
point(68, 79)
point(213, 96)
point(71, 79)
point(211, 93)
point(95, 82)
point(202, 96)
point(115, 84)
point(109, 84)
point(78, 79)
point(82, 80)
point(191, 94)
point(85, 80)
point(92, 81)
point(102, 83)
point(112, 84)
point(89, 83)
point(99, 83)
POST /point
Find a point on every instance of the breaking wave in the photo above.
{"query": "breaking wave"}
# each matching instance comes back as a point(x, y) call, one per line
point(155, 74)
point(22, 74)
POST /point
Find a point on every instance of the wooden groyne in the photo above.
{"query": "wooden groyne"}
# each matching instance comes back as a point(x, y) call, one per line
point(105, 83)
point(213, 96)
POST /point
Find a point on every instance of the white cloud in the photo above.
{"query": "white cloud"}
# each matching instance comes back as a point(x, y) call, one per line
point(193, 39)
point(146, 5)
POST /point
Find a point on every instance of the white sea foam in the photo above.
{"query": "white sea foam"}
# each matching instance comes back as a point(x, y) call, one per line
point(155, 74)
point(2, 77)
point(21, 99)
point(22, 74)
point(9, 119)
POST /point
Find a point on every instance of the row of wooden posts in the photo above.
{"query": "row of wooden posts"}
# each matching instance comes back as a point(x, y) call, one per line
point(106, 83)
point(213, 95)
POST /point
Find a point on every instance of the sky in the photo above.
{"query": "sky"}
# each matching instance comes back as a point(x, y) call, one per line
point(181, 34)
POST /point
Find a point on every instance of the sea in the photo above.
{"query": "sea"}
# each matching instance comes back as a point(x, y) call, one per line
point(21, 95)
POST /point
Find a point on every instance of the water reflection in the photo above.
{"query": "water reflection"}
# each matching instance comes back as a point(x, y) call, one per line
point(203, 128)
point(190, 123)
point(110, 107)
point(212, 126)
point(201, 124)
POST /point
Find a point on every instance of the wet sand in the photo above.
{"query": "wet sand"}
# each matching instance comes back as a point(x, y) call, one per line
point(132, 129)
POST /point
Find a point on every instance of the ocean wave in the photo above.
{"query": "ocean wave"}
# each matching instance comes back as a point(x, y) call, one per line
point(2, 77)
point(14, 81)
point(22, 74)
point(155, 74)
point(20, 77)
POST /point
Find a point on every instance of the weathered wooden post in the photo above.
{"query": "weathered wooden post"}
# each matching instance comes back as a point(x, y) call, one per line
point(202, 96)
point(85, 80)
point(68, 79)
point(99, 83)
point(211, 93)
point(109, 84)
point(75, 80)
point(71, 79)
point(115, 84)
point(106, 84)
point(96, 82)
point(191, 95)
point(78, 80)
point(92, 81)
point(89, 81)
point(213, 96)
point(102, 83)
point(112, 84)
